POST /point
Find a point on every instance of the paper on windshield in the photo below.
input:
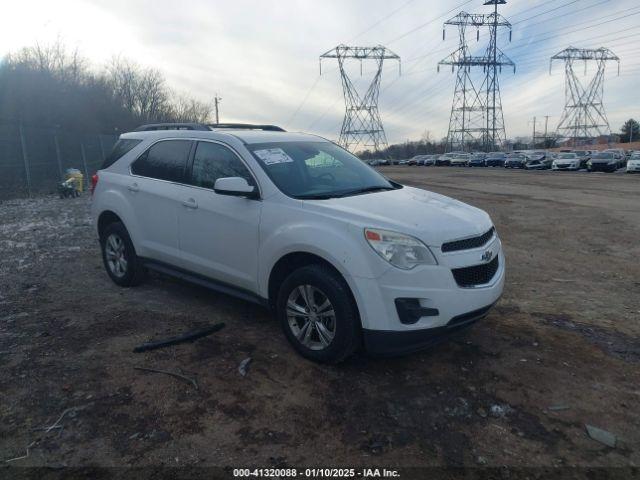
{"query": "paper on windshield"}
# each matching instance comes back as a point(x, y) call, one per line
point(272, 156)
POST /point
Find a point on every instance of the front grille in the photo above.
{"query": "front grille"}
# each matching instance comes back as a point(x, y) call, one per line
point(476, 275)
point(468, 243)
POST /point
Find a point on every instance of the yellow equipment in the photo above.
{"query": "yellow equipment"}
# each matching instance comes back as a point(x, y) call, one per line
point(77, 177)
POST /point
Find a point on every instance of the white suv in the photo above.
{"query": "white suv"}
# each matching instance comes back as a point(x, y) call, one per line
point(344, 256)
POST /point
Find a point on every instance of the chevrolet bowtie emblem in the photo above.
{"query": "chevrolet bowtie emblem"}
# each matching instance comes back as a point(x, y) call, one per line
point(487, 256)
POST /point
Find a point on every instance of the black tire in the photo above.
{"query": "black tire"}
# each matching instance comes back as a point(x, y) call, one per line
point(135, 272)
point(347, 328)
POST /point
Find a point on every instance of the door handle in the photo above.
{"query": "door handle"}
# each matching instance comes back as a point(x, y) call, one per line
point(134, 187)
point(190, 203)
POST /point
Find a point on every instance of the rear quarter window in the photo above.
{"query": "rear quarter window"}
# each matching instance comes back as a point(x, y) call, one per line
point(119, 150)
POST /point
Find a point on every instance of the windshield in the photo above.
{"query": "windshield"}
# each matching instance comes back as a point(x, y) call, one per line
point(567, 155)
point(603, 155)
point(317, 170)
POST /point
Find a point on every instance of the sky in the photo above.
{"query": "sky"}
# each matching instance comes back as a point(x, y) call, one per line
point(262, 56)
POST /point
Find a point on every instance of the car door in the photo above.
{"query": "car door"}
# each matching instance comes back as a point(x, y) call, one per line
point(218, 234)
point(154, 195)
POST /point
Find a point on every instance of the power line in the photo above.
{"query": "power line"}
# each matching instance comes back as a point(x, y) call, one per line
point(517, 14)
point(304, 100)
point(528, 26)
point(573, 31)
point(420, 27)
point(548, 11)
point(384, 19)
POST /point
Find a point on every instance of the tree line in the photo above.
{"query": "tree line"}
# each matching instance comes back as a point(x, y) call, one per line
point(50, 86)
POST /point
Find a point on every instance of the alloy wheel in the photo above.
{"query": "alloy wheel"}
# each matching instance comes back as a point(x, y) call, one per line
point(311, 317)
point(115, 252)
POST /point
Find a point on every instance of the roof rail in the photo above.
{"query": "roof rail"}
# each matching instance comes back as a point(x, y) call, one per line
point(171, 126)
point(246, 126)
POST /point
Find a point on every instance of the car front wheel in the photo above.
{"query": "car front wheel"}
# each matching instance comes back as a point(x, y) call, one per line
point(318, 315)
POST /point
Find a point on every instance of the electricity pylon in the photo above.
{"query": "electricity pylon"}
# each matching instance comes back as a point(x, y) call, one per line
point(362, 125)
point(476, 119)
point(584, 117)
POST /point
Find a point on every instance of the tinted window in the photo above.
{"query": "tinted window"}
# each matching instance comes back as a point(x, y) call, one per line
point(213, 161)
point(119, 150)
point(165, 160)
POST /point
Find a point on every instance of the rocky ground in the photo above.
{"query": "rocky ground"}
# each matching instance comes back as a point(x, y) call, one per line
point(559, 352)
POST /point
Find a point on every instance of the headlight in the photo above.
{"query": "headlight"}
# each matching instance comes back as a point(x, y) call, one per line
point(402, 251)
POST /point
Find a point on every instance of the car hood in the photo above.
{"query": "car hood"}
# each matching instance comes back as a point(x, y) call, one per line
point(433, 218)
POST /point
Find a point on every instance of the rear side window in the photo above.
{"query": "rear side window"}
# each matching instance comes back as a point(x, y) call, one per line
point(213, 161)
point(119, 150)
point(166, 160)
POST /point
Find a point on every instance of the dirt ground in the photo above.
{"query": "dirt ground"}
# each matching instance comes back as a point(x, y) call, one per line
point(561, 350)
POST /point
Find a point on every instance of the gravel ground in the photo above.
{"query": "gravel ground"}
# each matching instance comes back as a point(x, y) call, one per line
point(559, 351)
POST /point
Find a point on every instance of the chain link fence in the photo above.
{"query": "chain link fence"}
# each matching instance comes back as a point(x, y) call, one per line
point(33, 160)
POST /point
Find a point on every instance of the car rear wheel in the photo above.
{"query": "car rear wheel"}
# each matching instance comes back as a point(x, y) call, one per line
point(119, 256)
point(318, 315)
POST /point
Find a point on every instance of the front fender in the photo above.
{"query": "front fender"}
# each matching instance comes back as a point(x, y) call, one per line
point(343, 246)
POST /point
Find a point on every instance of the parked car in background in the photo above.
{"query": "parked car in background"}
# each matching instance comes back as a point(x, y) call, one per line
point(515, 160)
point(460, 160)
point(429, 160)
point(606, 161)
point(620, 156)
point(343, 256)
point(477, 160)
point(584, 156)
point(633, 164)
point(442, 161)
point(495, 159)
point(445, 160)
point(566, 161)
point(383, 162)
point(539, 163)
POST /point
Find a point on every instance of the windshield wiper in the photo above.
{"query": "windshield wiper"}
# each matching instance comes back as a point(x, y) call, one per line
point(327, 196)
point(360, 191)
point(317, 196)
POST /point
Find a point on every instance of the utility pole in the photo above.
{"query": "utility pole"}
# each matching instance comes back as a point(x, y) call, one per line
point(533, 138)
point(216, 102)
point(546, 131)
point(546, 125)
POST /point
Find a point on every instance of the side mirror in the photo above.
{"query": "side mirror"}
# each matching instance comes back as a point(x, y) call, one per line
point(235, 187)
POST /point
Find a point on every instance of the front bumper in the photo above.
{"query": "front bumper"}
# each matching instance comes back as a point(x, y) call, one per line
point(442, 301)
point(603, 167)
point(565, 166)
point(388, 343)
